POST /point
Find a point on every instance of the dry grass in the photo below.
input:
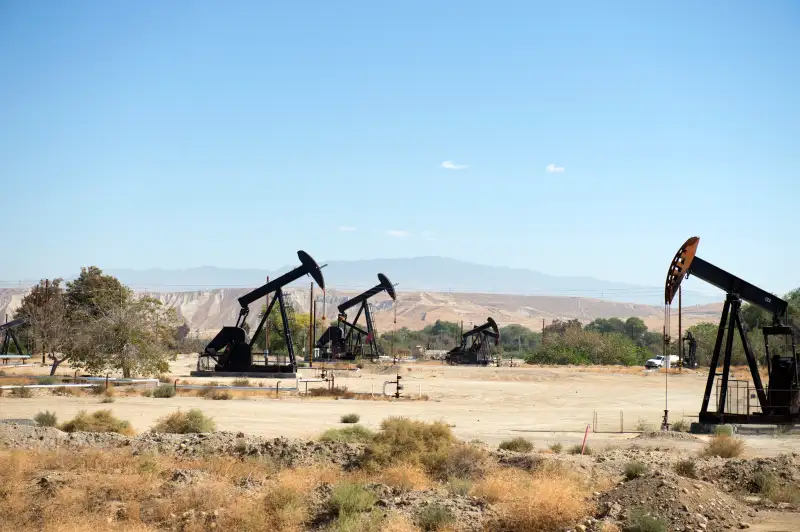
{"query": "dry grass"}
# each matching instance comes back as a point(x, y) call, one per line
point(546, 501)
point(398, 523)
point(98, 421)
point(191, 422)
point(406, 477)
point(724, 446)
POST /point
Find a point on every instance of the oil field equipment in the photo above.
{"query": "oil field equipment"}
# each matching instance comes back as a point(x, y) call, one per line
point(7, 329)
point(346, 340)
point(478, 352)
point(231, 352)
point(689, 359)
point(737, 401)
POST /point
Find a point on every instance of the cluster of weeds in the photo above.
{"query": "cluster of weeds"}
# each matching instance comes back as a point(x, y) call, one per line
point(99, 421)
point(556, 447)
point(21, 393)
point(640, 521)
point(164, 391)
point(724, 446)
point(634, 470)
point(215, 394)
point(518, 444)
point(191, 422)
point(577, 448)
point(353, 434)
point(350, 418)
point(338, 392)
point(680, 426)
point(686, 468)
point(46, 419)
point(244, 383)
point(434, 517)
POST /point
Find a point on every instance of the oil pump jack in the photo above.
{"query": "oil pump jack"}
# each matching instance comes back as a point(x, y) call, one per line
point(9, 337)
point(346, 340)
point(230, 350)
point(479, 350)
point(780, 402)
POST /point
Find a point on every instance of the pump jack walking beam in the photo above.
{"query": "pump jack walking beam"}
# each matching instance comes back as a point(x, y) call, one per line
point(781, 402)
point(384, 284)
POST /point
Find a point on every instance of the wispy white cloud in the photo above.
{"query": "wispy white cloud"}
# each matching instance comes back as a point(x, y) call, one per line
point(450, 165)
point(428, 235)
point(553, 169)
point(346, 228)
point(397, 233)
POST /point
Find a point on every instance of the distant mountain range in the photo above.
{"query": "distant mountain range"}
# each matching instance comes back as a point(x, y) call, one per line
point(436, 274)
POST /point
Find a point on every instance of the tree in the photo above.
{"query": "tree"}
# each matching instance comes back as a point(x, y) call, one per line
point(95, 293)
point(48, 322)
point(560, 327)
point(298, 329)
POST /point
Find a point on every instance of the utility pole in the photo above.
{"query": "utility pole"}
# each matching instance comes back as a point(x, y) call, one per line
point(680, 331)
point(311, 327)
point(46, 301)
point(266, 337)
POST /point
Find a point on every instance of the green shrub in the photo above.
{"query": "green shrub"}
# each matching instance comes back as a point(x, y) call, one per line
point(241, 382)
point(46, 419)
point(48, 380)
point(556, 447)
point(576, 449)
point(191, 422)
point(680, 426)
point(640, 521)
point(353, 434)
point(724, 446)
point(723, 430)
point(164, 391)
point(434, 517)
point(349, 498)
point(459, 486)
point(518, 444)
point(403, 439)
point(350, 418)
point(686, 468)
point(21, 393)
point(99, 421)
point(634, 470)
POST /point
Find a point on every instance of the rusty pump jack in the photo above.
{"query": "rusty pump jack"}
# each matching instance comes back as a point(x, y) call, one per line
point(232, 352)
point(478, 352)
point(346, 340)
point(780, 403)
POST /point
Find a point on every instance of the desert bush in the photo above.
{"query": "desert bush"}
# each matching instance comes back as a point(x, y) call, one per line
point(21, 393)
point(350, 418)
point(434, 517)
point(686, 468)
point(640, 521)
point(219, 395)
point(546, 501)
point(724, 446)
point(644, 426)
point(147, 392)
point(459, 486)
point(518, 444)
point(556, 447)
point(348, 498)
point(782, 430)
point(191, 422)
point(48, 380)
point(763, 482)
point(789, 493)
point(241, 382)
point(458, 461)
point(680, 426)
point(634, 470)
point(46, 419)
point(339, 392)
point(723, 430)
point(164, 391)
point(405, 477)
point(99, 421)
point(402, 439)
point(353, 434)
point(576, 449)
point(107, 399)
point(65, 391)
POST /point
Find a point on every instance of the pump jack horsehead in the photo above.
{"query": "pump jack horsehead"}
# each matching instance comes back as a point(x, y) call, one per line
point(347, 340)
point(230, 351)
point(779, 403)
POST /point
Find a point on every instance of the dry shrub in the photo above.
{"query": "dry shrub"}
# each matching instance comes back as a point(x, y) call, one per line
point(459, 486)
point(634, 470)
point(544, 501)
point(349, 498)
point(21, 393)
point(518, 444)
point(191, 422)
point(46, 419)
point(458, 461)
point(66, 391)
point(398, 523)
point(99, 421)
point(405, 477)
point(350, 418)
point(724, 446)
point(640, 521)
point(339, 392)
point(354, 434)
point(164, 391)
point(434, 517)
point(686, 468)
point(404, 440)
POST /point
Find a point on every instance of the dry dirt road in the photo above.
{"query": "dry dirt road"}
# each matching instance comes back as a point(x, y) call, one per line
point(489, 404)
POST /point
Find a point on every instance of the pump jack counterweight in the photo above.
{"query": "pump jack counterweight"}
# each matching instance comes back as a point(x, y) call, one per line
point(780, 401)
point(231, 352)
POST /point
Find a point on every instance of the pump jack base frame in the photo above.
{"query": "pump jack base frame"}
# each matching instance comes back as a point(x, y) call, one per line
point(245, 374)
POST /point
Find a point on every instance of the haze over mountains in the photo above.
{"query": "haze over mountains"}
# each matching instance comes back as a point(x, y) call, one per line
point(436, 274)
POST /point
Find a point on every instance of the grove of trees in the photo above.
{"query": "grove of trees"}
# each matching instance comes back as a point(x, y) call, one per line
point(99, 325)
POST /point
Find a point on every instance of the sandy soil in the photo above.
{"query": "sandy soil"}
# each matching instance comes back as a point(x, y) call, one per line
point(490, 404)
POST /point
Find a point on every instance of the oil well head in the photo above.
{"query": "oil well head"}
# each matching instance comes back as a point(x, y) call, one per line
point(678, 267)
point(387, 285)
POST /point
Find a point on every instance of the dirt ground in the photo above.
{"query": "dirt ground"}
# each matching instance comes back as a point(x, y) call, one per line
point(545, 405)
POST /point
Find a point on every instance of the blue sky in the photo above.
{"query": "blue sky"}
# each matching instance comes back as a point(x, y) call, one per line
point(178, 134)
